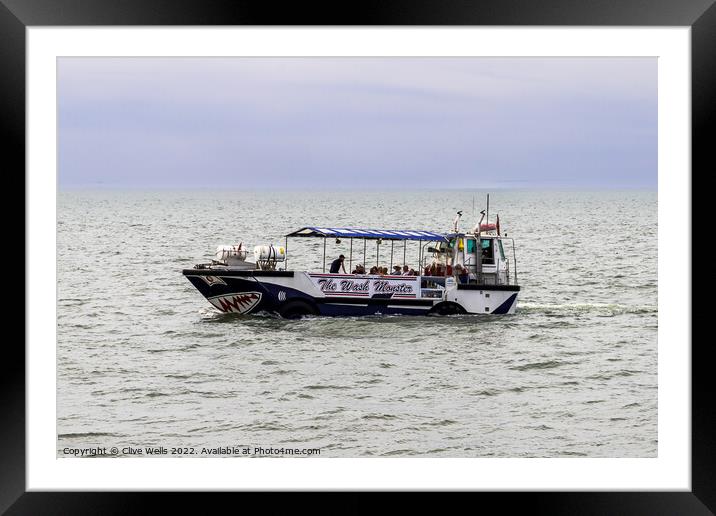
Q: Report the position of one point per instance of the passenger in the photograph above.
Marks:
(427, 271)
(374, 270)
(337, 265)
(462, 275)
(396, 270)
(411, 272)
(406, 270)
(359, 269)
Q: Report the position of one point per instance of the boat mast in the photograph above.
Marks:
(487, 217)
(455, 248)
(478, 249)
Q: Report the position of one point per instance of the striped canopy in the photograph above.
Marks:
(385, 234)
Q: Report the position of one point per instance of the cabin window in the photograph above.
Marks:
(487, 250)
(471, 246)
(502, 251)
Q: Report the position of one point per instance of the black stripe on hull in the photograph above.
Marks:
(509, 288)
(350, 310)
(375, 301)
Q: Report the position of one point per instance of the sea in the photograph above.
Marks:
(147, 367)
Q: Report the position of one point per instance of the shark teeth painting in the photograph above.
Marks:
(240, 302)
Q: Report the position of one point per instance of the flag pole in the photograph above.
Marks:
(487, 218)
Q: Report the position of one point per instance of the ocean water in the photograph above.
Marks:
(143, 360)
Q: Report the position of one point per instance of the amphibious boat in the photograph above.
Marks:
(458, 273)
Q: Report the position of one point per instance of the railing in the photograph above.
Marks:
(514, 258)
(484, 278)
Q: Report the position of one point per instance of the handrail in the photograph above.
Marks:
(514, 257)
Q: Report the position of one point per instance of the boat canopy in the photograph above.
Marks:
(385, 234)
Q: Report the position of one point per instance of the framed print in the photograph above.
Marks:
(150, 136)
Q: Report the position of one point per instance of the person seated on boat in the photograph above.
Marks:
(461, 273)
(412, 272)
(439, 270)
(396, 270)
(374, 270)
(359, 269)
(427, 271)
(337, 265)
(406, 270)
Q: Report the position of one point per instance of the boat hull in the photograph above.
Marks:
(291, 293)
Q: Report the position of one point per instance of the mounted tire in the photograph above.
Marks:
(447, 308)
(296, 308)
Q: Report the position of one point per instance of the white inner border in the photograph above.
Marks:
(671, 470)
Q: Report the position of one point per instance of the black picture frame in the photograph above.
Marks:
(17, 15)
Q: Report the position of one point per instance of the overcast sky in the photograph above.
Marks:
(357, 122)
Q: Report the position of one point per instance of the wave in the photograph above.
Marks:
(73, 435)
(318, 387)
(540, 365)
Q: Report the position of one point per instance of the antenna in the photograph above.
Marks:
(487, 217)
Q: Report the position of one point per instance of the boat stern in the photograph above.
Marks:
(485, 299)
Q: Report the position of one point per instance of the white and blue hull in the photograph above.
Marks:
(293, 294)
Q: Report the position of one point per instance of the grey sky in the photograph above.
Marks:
(357, 122)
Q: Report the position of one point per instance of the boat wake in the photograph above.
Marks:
(608, 309)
